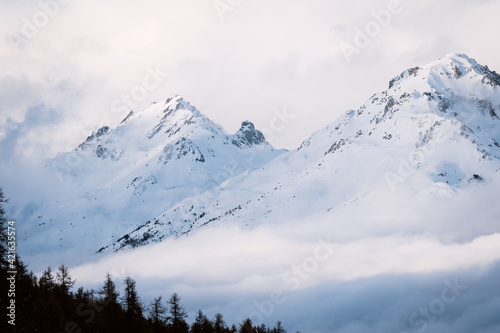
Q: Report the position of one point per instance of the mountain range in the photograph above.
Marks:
(168, 171)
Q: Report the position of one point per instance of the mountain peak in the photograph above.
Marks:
(458, 65)
(247, 125)
(176, 103)
(172, 105)
(179, 102)
(459, 57)
(443, 74)
(248, 135)
(176, 116)
(454, 99)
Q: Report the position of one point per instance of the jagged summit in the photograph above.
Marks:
(460, 64)
(248, 135)
(166, 130)
(177, 103)
(174, 124)
(174, 117)
(170, 105)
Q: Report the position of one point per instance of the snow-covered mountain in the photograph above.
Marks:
(436, 131)
(122, 177)
(169, 171)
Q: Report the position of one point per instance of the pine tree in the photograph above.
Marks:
(220, 324)
(133, 306)
(197, 326)
(202, 324)
(131, 301)
(261, 329)
(48, 316)
(246, 326)
(207, 326)
(177, 315)
(108, 293)
(47, 283)
(64, 279)
(111, 316)
(279, 328)
(157, 314)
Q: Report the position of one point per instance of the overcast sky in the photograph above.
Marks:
(66, 66)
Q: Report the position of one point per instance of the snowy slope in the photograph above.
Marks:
(434, 132)
(122, 177)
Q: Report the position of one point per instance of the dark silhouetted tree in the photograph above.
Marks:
(202, 324)
(246, 326)
(47, 283)
(64, 280)
(177, 315)
(261, 329)
(219, 324)
(157, 314)
(130, 300)
(197, 326)
(108, 293)
(279, 328)
(133, 307)
(111, 315)
(207, 326)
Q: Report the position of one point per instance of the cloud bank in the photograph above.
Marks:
(377, 266)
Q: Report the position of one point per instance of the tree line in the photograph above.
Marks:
(50, 304)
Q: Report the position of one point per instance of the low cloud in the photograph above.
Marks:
(331, 274)
(368, 285)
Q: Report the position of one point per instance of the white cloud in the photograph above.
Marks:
(370, 284)
(230, 256)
